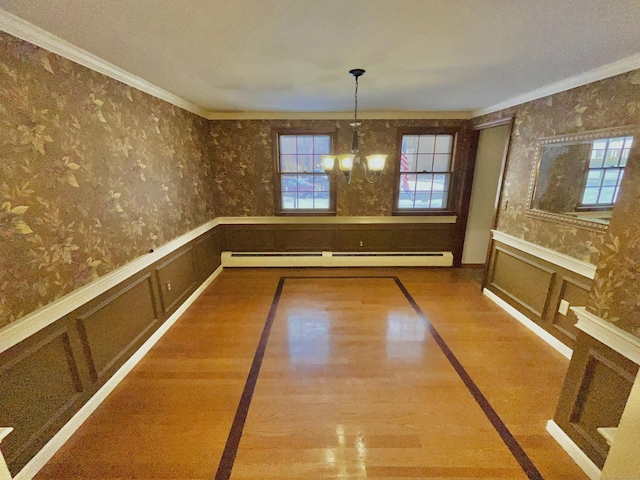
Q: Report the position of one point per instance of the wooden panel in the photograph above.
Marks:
(577, 294)
(422, 238)
(307, 238)
(594, 394)
(40, 389)
(364, 238)
(250, 238)
(525, 281)
(176, 279)
(110, 330)
(206, 252)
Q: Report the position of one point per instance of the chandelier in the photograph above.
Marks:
(372, 166)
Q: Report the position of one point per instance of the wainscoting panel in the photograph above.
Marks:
(40, 390)
(250, 238)
(539, 289)
(46, 378)
(206, 251)
(422, 238)
(307, 238)
(576, 293)
(363, 238)
(112, 329)
(594, 395)
(176, 280)
(524, 281)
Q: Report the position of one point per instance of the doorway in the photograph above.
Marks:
(493, 144)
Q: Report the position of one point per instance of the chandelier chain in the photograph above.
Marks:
(355, 110)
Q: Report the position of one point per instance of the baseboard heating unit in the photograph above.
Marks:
(337, 259)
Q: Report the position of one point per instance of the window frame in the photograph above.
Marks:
(277, 174)
(456, 171)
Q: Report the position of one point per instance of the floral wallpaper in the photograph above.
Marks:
(615, 295)
(244, 169)
(93, 173)
(607, 103)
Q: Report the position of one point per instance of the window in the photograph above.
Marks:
(606, 169)
(425, 172)
(301, 184)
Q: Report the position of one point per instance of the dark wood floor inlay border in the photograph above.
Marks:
(233, 440)
(235, 434)
(509, 440)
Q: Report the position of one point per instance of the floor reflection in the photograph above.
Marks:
(341, 458)
(308, 334)
(405, 337)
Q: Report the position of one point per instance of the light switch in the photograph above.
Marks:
(564, 307)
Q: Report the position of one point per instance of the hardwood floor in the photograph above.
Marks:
(348, 381)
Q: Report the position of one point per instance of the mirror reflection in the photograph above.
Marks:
(578, 177)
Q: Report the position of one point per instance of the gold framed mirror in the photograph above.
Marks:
(575, 179)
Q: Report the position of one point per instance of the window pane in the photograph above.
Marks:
(425, 163)
(613, 158)
(616, 143)
(288, 163)
(322, 183)
(441, 163)
(408, 162)
(423, 200)
(409, 143)
(440, 183)
(606, 195)
(321, 200)
(317, 164)
(305, 163)
(425, 182)
(624, 158)
(305, 144)
(405, 199)
(321, 144)
(597, 156)
(600, 144)
(288, 200)
(628, 141)
(439, 199)
(443, 144)
(590, 196)
(426, 143)
(288, 183)
(594, 178)
(610, 178)
(287, 144)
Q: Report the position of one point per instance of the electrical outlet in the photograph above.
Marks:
(168, 285)
(361, 243)
(564, 307)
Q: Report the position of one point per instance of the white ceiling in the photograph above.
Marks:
(294, 55)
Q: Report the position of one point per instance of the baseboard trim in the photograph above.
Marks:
(530, 324)
(578, 456)
(58, 440)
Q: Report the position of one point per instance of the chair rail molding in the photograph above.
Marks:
(565, 261)
(607, 333)
(45, 316)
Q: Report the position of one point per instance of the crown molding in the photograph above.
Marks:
(24, 30)
(612, 69)
(382, 115)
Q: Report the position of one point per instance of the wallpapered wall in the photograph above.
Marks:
(616, 287)
(244, 166)
(607, 103)
(93, 174)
